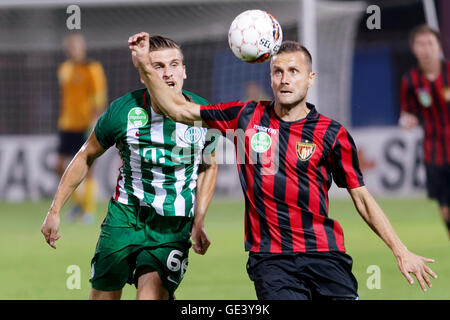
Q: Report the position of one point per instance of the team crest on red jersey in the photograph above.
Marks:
(424, 97)
(305, 150)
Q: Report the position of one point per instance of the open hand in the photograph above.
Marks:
(412, 263)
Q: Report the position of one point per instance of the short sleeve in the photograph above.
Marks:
(222, 116)
(107, 128)
(408, 99)
(99, 84)
(345, 164)
(63, 72)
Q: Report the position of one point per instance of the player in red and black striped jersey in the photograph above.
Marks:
(425, 100)
(286, 186)
(287, 155)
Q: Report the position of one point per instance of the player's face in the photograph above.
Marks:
(169, 65)
(291, 77)
(426, 48)
(76, 48)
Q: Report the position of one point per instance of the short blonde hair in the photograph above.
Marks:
(161, 43)
(290, 46)
(422, 29)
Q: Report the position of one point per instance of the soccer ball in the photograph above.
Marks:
(255, 36)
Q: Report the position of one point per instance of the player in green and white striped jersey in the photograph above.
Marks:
(145, 236)
(160, 157)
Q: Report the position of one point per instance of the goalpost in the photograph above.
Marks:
(430, 14)
(328, 29)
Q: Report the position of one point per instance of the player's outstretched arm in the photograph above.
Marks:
(75, 173)
(407, 261)
(169, 102)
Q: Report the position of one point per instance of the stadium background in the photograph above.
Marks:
(359, 72)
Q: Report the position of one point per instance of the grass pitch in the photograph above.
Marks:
(30, 269)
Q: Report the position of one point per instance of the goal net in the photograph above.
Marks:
(31, 33)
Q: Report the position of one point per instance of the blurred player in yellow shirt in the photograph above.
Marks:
(83, 97)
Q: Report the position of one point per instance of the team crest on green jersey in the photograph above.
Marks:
(261, 142)
(137, 117)
(192, 135)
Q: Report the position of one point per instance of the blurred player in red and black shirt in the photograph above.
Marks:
(425, 100)
(287, 155)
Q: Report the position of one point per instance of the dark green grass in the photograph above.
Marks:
(30, 269)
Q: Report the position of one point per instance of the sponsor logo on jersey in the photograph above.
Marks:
(193, 135)
(265, 129)
(305, 150)
(261, 142)
(137, 117)
(424, 97)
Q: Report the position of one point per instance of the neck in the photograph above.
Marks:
(76, 60)
(155, 107)
(292, 113)
(432, 69)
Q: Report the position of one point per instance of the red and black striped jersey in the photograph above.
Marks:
(286, 170)
(429, 101)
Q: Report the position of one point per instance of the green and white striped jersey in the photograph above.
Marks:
(160, 157)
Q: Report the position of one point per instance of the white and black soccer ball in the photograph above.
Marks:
(255, 36)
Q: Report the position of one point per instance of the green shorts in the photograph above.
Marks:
(135, 240)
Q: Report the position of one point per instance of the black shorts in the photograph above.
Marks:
(438, 183)
(70, 142)
(302, 276)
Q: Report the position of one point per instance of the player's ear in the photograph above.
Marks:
(184, 72)
(311, 78)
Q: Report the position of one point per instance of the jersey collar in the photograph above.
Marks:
(312, 114)
(147, 101)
